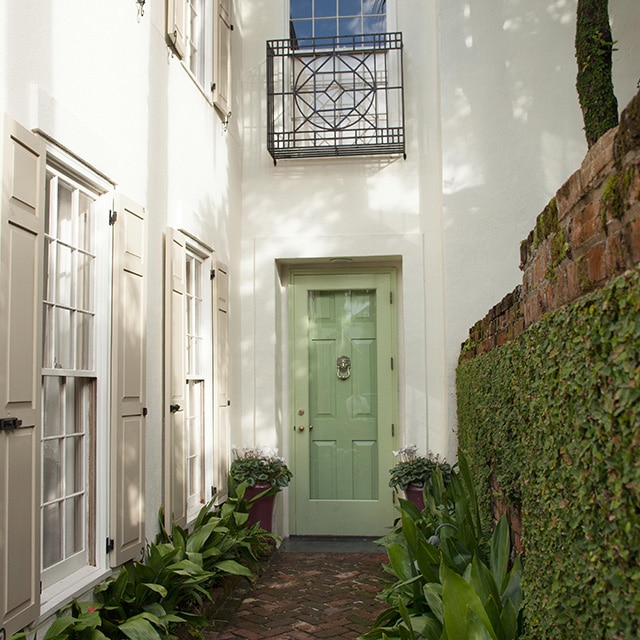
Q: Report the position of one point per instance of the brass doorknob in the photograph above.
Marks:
(310, 427)
(301, 428)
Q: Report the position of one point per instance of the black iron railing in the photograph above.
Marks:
(338, 96)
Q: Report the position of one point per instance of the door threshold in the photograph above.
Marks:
(331, 544)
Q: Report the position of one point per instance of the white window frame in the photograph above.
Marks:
(204, 257)
(60, 590)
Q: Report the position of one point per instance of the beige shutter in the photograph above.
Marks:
(21, 272)
(222, 375)
(176, 25)
(128, 373)
(222, 58)
(175, 486)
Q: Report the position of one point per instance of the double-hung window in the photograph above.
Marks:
(192, 435)
(76, 250)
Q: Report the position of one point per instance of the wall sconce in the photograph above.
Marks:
(140, 4)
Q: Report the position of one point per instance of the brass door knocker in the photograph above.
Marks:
(344, 367)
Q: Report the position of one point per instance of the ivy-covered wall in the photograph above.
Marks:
(551, 415)
(555, 415)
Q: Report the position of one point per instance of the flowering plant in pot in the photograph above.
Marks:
(265, 474)
(412, 472)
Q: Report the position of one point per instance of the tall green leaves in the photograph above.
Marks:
(452, 581)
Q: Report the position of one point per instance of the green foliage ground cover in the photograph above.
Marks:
(150, 599)
(556, 416)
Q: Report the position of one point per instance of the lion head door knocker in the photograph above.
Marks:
(344, 367)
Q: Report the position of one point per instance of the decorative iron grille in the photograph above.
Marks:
(335, 96)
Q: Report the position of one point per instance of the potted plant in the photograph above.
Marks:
(412, 472)
(265, 474)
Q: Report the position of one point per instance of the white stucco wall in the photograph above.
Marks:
(103, 84)
(384, 208)
(511, 135)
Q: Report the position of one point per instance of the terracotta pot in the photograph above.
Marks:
(261, 511)
(415, 494)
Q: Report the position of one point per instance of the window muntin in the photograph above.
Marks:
(69, 382)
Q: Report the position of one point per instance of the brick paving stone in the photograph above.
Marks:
(302, 596)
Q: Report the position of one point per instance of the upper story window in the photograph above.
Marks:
(335, 85)
(330, 18)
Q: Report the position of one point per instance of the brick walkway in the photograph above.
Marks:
(309, 595)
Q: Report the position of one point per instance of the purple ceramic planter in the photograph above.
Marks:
(415, 495)
(261, 511)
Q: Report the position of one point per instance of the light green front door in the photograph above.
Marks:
(344, 403)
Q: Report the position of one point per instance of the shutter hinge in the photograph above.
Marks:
(391, 364)
(145, 411)
(213, 86)
(109, 545)
(40, 586)
(113, 216)
(212, 274)
(390, 297)
(393, 430)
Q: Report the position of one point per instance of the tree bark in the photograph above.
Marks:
(594, 45)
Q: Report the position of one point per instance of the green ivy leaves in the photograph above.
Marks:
(555, 415)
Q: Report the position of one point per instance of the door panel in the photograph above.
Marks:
(343, 425)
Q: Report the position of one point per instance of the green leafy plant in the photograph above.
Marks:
(259, 465)
(412, 469)
(146, 599)
(452, 579)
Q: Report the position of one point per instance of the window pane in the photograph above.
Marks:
(84, 285)
(63, 347)
(84, 341)
(52, 423)
(64, 268)
(325, 28)
(350, 7)
(300, 8)
(48, 352)
(51, 534)
(325, 8)
(74, 463)
(375, 7)
(375, 24)
(52, 469)
(73, 526)
(85, 223)
(301, 29)
(350, 26)
(65, 214)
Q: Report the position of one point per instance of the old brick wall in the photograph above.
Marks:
(587, 234)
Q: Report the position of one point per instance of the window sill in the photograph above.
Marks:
(77, 584)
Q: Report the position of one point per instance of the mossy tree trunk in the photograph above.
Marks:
(594, 45)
